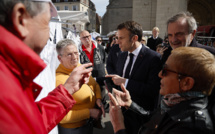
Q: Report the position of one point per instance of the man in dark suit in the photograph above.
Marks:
(142, 80)
(154, 40)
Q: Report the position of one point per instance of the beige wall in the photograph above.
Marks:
(117, 12)
(144, 12)
(149, 13)
(165, 11)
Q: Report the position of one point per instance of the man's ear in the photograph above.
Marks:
(20, 18)
(187, 83)
(193, 34)
(135, 38)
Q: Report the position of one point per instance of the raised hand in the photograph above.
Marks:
(115, 113)
(123, 97)
(117, 80)
(79, 76)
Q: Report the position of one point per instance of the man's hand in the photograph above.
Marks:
(116, 116)
(101, 106)
(79, 76)
(123, 97)
(117, 80)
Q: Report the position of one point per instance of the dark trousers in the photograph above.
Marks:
(86, 129)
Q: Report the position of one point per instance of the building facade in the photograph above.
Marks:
(79, 5)
(150, 13)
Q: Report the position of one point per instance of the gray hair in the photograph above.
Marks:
(189, 18)
(6, 8)
(63, 43)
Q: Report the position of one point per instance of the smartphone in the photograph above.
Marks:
(108, 85)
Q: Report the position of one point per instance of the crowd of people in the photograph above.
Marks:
(160, 86)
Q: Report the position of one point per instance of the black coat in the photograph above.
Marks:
(152, 43)
(194, 43)
(187, 117)
(99, 63)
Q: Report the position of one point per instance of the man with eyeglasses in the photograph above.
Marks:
(92, 52)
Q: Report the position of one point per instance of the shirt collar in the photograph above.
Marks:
(136, 51)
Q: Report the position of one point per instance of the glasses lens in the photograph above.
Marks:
(85, 37)
(163, 72)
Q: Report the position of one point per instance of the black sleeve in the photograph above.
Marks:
(122, 131)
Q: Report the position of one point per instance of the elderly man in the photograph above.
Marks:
(24, 32)
(187, 79)
(90, 51)
(155, 39)
(181, 29)
(75, 122)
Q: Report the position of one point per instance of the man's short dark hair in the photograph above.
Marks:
(133, 27)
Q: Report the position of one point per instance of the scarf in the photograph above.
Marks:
(170, 100)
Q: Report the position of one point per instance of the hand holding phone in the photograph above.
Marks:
(108, 85)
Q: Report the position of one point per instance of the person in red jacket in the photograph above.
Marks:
(24, 27)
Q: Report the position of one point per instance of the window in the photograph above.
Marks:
(57, 0)
(74, 8)
(66, 8)
(58, 8)
(65, 0)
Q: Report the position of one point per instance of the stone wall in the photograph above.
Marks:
(117, 12)
(167, 9)
(144, 12)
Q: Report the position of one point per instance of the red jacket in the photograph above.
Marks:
(19, 65)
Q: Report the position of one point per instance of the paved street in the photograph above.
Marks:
(108, 126)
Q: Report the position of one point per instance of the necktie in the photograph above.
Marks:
(128, 68)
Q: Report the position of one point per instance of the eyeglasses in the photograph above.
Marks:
(165, 70)
(69, 55)
(99, 40)
(85, 37)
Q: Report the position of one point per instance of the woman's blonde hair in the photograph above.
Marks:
(197, 63)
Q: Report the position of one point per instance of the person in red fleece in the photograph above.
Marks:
(24, 26)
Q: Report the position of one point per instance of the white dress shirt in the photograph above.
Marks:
(135, 53)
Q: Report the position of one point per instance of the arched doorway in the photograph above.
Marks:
(203, 11)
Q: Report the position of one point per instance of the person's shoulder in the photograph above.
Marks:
(149, 52)
(210, 49)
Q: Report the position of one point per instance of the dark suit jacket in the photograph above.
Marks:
(152, 43)
(144, 83)
(112, 59)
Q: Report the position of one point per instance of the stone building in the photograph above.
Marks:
(79, 5)
(150, 13)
